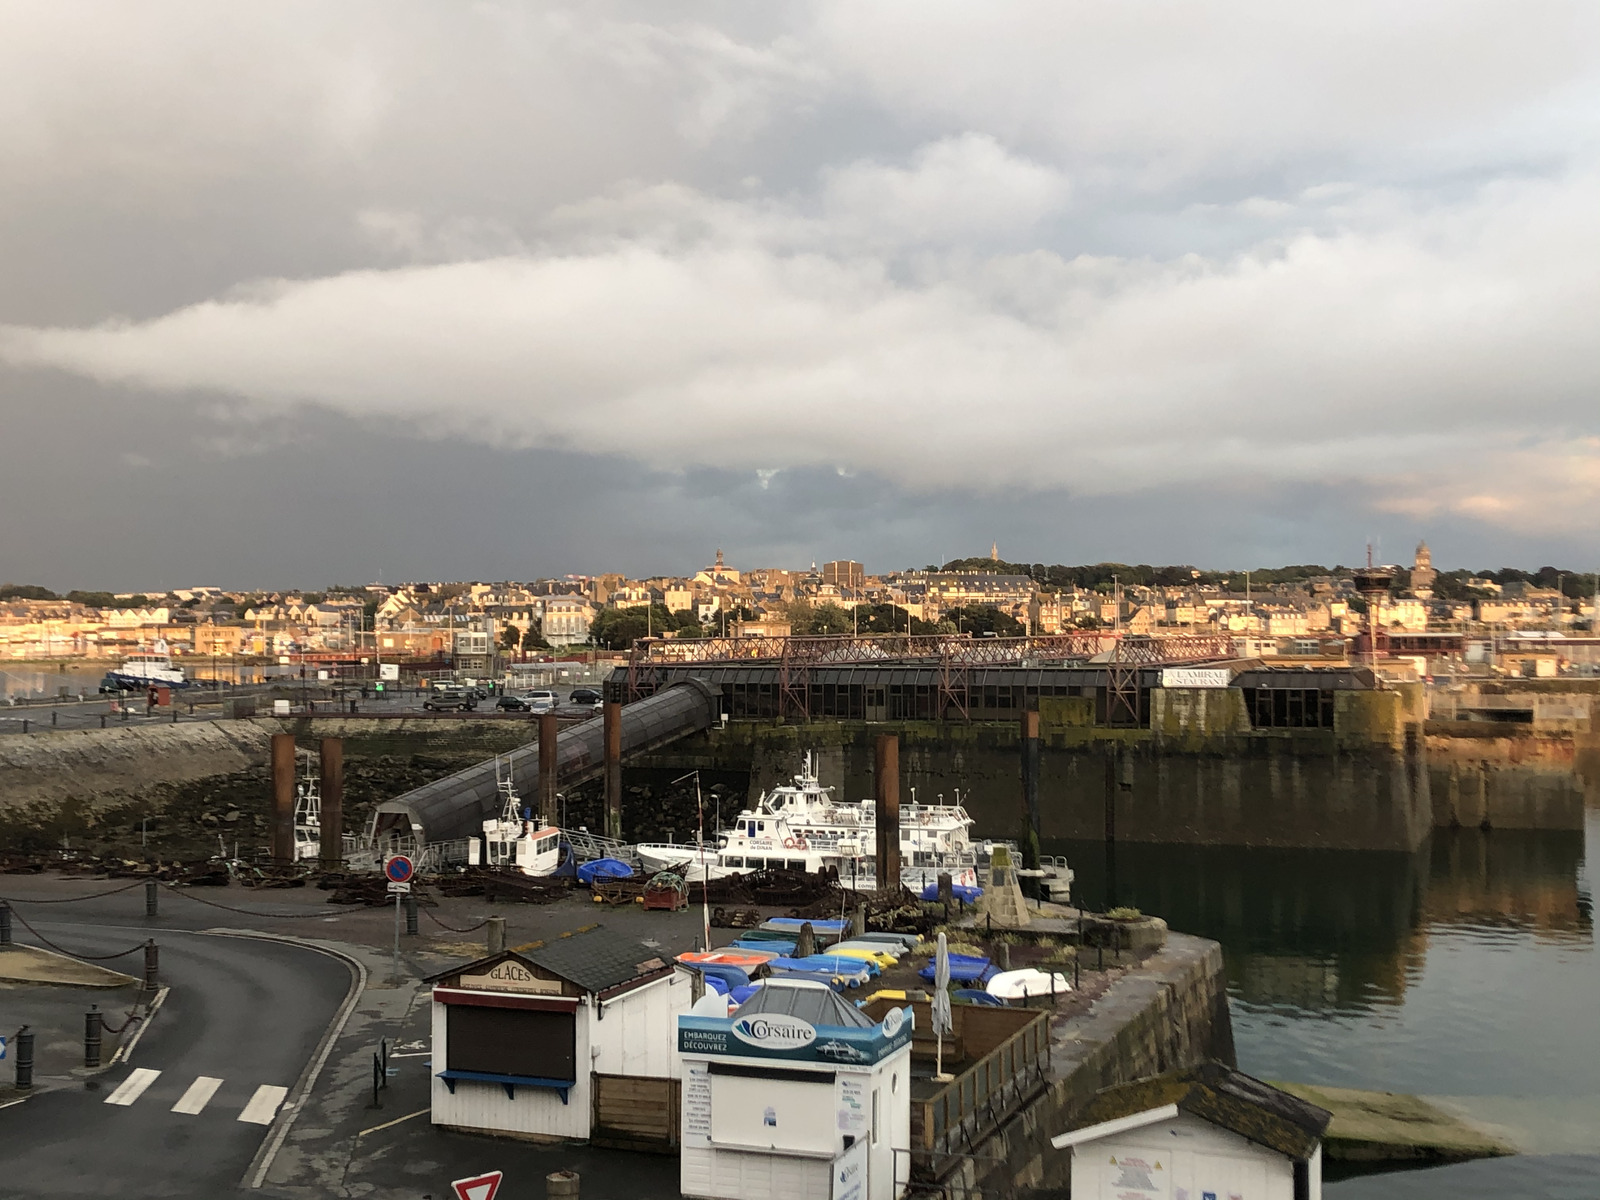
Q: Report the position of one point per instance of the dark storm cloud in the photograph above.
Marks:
(514, 289)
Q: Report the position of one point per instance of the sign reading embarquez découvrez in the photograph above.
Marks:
(1196, 677)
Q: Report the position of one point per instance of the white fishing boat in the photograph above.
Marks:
(145, 669)
(307, 810)
(516, 840)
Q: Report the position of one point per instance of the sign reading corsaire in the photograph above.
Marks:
(1196, 677)
(776, 1031)
(479, 1187)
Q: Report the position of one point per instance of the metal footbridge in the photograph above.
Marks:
(434, 822)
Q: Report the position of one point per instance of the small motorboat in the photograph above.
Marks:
(1029, 981)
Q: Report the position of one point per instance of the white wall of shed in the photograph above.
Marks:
(638, 1035)
(1194, 1155)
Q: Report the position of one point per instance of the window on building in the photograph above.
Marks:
(1290, 708)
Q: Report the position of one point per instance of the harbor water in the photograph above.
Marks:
(1465, 972)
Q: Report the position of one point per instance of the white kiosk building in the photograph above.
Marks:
(1207, 1133)
(545, 1043)
(796, 1096)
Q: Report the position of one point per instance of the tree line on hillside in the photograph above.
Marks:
(1447, 585)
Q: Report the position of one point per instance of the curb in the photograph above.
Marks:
(256, 1173)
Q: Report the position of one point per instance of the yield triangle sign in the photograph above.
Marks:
(479, 1187)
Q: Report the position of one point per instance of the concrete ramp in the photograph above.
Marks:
(456, 806)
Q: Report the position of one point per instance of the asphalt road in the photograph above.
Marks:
(242, 1020)
(95, 712)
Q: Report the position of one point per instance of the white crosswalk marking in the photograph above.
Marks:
(198, 1095)
(263, 1106)
(133, 1086)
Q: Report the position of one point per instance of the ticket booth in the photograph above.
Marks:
(793, 1093)
(542, 1044)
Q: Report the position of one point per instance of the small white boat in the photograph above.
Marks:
(1029, 981)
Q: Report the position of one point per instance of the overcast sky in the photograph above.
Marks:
(303, 293)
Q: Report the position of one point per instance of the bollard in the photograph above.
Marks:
(102, 720)
(806, 944)
(411, 913)
(24, 724)
(561, 1185)
(91, 1036)
(24, 1057)
(151, 898)
(860, 921)
(5, 923)
(124, 712)
(496, 935)
(174, 714)
(152, 970)
(52, 716)
(1005, 956)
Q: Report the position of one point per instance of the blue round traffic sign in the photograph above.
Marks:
(398, 868)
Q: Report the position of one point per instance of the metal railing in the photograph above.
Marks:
(977, 1101)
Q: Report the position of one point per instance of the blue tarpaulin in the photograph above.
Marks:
(959, 891)
(608, 868)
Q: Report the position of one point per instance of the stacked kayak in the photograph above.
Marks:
(907, 941)
(825, 931)
(728, 956)
(835, 972)
(772, 948)
(877, 954)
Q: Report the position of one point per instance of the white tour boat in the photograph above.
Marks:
(801, 827)
(146, 669)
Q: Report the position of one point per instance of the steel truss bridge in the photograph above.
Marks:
(953, 656)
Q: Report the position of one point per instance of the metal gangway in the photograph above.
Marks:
(586, 846)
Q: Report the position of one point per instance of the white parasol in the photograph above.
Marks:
(942, 1024)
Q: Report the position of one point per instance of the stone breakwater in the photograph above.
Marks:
(1169, 1012)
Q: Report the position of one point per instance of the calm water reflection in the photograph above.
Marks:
(1465, 971)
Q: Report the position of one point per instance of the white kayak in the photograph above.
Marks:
(1029, 981)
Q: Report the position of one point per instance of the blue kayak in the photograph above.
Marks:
(731, 976)
(964, 968)
(974, 996)
(844, 964)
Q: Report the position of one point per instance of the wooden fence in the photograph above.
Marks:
(636, 1112)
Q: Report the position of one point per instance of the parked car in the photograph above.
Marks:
(450, 700)
(538, 700)
(585, 697)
